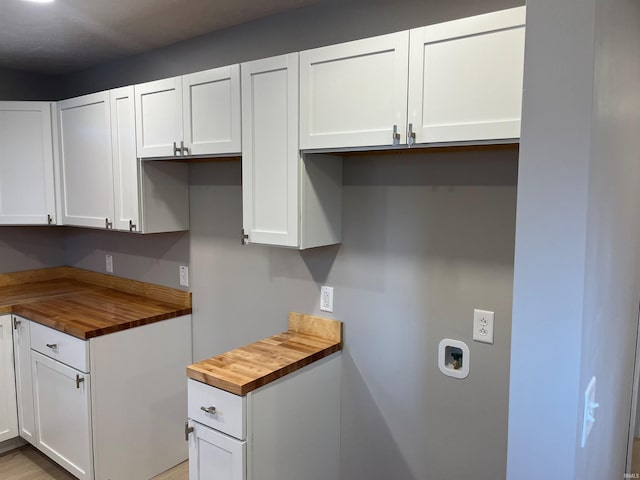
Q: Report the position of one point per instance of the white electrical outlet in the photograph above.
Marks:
(109, 263)
(184, 276)
(326, 299)
(483, 326)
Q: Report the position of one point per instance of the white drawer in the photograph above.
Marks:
(230, 410)
(60, 346)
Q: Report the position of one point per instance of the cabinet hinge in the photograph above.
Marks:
(244, 238)
(187, 431)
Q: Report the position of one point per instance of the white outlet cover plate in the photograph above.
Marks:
(326, 299)
(483, 321)
(184, 276)
(109, 263)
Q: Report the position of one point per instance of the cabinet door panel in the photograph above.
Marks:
(63, 415)
(213, 455)
(211, 102)
(8, 408)
(24, 386)
(85, 138)
(125, 169)
(352, 94)
(465, 79)
(26, 164)
(158, 117)
(270, 159)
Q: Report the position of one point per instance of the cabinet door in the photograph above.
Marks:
(214, 455)
(270, 157)
(211, 104)
(465, 78)
(125, 169)
(158, 117)
(8, 408)
(86, 164)
(26, 164)
(24, 386)
(354, 94)
(62, 410)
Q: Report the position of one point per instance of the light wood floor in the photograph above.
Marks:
(26, 463)
(635, 459)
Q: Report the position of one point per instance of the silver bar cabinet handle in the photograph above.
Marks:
(187, 431)
(396, 136)
(132, 226)
(411, 136)
(107, 224)
(176, 149)
(52, 346)
(185, 150)
(79, 380)
(211, 410)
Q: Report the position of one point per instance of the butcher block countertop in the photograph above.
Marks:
(88, 304)
(247, 368)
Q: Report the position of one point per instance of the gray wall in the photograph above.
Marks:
(326, 23)
(18, 85)
(26, 248)
(151, 258)
(427, 238)
(577, 276)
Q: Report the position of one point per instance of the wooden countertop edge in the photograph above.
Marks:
(205, 377)
(83, 334)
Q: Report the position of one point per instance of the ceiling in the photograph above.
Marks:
(70, 35)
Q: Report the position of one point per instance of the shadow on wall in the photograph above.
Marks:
(365, 430)
(151, 258)
(26, 248)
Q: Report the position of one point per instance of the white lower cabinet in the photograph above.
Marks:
(8, 416)
(63, 412)
(24, 385)
(286, 430)
(215, 455)
(85, 403)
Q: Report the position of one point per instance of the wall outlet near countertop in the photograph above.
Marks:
(184, 276)
(109, 263)
(326, 299)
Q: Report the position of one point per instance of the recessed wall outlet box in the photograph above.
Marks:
(326, 299)
(184, 276)
(589, 413)
(483, 326)
(109, 263)
(453, 358)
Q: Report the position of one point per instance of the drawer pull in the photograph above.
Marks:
(210, 410)
(52, 346)
(79, 380)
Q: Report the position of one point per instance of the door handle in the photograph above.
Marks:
(79, 380)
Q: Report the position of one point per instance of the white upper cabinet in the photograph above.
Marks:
(125, 169)
(459, 81)
(86, 160)
(26, 164)
(158, 108)
(354, 94)
(211, 114)
(196, 114)
(288, 200)
(271, 154)
(465, 78)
